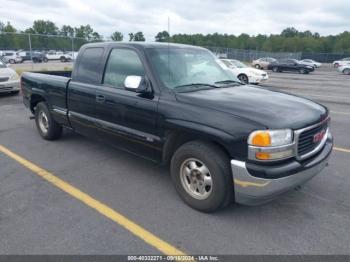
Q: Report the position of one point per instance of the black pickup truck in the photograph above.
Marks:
(177, 105)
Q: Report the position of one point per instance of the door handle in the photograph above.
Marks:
(100, 98)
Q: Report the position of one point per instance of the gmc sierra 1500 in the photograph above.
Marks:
(176, 104)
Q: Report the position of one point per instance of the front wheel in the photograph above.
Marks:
(202, 177)
(243, 78)
(257, 66)
(63, 59)
(45, 60)
(346, 71)
(11, 61)
(48, 128)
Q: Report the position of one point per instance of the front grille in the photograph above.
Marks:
(6, 88)
(306, 143)
(4, 79)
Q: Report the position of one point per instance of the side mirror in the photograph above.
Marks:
(136, 84)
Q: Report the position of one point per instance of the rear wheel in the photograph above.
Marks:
(275, 69)
(12, 61)
(63, 59)
(202, 177)
(302, 71)
(48, 128)
(346, 71)
(45, 60)
(243, 78)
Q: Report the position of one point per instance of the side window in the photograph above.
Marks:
(227, 63)
(88, 69)
(122, 63)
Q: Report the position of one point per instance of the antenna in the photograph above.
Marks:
(169, 48)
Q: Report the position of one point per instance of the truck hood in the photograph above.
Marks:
(272, 109)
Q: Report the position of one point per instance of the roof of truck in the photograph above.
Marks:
(142, 45)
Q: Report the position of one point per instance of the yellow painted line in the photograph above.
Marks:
(345, 150)
(108, 212)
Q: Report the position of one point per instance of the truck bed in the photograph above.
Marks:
(52, 85)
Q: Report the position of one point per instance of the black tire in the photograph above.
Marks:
(275, 69)
(257, 66)
(243, 78)
(346, 71)
(15, 92)
(54, 130)
(218, 164)
(63, 59)
(336, 65)
(45, 60)
(303, 71)
(11, 61)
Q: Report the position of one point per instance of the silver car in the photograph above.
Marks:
(263, 63)
(9, 79)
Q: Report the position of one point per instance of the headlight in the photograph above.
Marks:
(255, 73)
(264, 145)
(14, 77)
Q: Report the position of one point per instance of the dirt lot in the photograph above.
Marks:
(37, 217)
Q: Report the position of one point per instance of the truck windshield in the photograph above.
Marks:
(189, 68)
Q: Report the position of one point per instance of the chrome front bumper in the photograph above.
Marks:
(9, 86)
(251, 190)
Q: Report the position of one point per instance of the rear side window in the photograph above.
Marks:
(122, 63)
(89, 69)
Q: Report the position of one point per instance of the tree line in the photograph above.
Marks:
(68, 37)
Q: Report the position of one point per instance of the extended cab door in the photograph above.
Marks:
(125, 118)
(81, 95)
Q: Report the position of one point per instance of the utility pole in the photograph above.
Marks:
(73, 48)
(30, 50)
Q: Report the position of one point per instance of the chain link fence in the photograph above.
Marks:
(250, 55)
(325, 57)
(39, 42)
(44, 43)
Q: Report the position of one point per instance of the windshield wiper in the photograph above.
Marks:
(229, 82)
(197, 85)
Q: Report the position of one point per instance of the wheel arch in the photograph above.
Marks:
(34, 100)
(178, 137)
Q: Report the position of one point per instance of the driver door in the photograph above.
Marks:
(126, 119)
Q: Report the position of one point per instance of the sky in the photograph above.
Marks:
(186, 16)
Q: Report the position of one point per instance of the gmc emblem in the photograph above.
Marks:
(319, 136)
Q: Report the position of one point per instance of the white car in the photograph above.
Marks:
(73, 55)
(244, 73)
(9, 79)
(345, 69)
(53, 55)
(310, 62)
(11, 57)
(342, 62)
